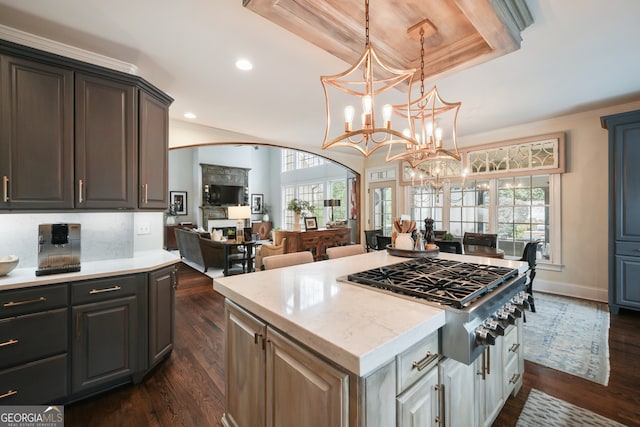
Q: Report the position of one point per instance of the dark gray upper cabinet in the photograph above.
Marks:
(105, 146)
(75, 135)
(624, 209)
(36, 135)
(153, 145)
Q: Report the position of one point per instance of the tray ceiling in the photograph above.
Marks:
(458, 33)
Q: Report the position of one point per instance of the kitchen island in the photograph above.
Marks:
(304, 346)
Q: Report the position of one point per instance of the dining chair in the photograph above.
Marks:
(530, 255)
(268, 249)
(342, 251)
(382, 242)
(371, 240)
(286, 260)
(480, 239)
(449, 246)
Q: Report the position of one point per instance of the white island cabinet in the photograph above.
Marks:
(304, 347)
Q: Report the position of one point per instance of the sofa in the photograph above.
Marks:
(200, 249)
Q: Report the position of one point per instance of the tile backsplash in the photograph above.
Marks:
(104, 236)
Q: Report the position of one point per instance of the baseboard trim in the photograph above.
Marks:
(571, 290)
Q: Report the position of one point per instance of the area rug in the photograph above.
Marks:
(542, 410)
(570, 335)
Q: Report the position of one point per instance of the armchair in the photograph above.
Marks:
(267, 250)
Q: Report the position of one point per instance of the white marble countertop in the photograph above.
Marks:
(358, 328)
(139, 263)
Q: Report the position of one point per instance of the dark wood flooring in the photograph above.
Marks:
(188, 388)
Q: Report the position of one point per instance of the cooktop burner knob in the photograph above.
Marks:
(503, 314)
(485, 337)
(495, 326)
(520, 301)
(517, 312)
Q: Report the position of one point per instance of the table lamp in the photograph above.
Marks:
(331, 203)
(239, 213)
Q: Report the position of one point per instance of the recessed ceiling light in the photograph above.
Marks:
(189, 115)
(244, 64)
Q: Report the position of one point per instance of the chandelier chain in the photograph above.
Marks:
(366, 22)
(421, 61)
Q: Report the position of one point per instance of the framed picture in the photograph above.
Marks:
(257, 203)
(179, 201)
(310, 223)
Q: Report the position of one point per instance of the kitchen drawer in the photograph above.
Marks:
(511, 345)
(32, 336)
(416, 361)
(31, 300)
(36, 383)
(511, 376)
(628, 248)
(105, 289)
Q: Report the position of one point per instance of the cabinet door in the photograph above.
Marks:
(303, 389)
(162, 284)
(627, 181)
(154, 145)
(245, 368)
(489, 390)
(627, 288)
(459, 393)
(36, 135)
(106, 144)
(418, 405)
(104, 342)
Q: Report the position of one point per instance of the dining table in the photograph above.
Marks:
(485, 251)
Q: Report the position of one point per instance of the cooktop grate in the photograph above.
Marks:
(447, 282)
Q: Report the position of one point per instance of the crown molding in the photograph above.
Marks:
(37, 42)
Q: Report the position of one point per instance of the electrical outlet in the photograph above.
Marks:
(143, 228)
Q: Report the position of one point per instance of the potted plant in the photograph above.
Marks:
(298, 207)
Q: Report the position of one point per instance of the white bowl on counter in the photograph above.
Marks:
(7, 264)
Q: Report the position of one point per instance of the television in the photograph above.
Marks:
(223, 195)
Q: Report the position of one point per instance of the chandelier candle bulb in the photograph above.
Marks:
(349, 112)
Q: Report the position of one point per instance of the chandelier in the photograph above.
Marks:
(370, 89)
(429, 115)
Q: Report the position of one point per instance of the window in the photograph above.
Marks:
(311, 192)
(293, 159)
(288, 160)
(338, 190)
(523, 213)
(469, 208)
(427, 203)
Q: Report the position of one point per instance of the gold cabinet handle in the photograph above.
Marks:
(80, 190)
(31, 301)
(8, 394)
(5, 188)
(514, 347)
(100, 291)
(425, 361)
(8, 343)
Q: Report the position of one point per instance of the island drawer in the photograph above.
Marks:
(32, 336)
(104, 289)
(30, 300)
(628, 248)
(511, 344)
(416, 361)
(44, 381)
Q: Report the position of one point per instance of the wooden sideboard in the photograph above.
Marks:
(316, 241)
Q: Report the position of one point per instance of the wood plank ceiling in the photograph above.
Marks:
(458, 33)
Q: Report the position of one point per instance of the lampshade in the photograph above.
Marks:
(239, 212)
(331, 203)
